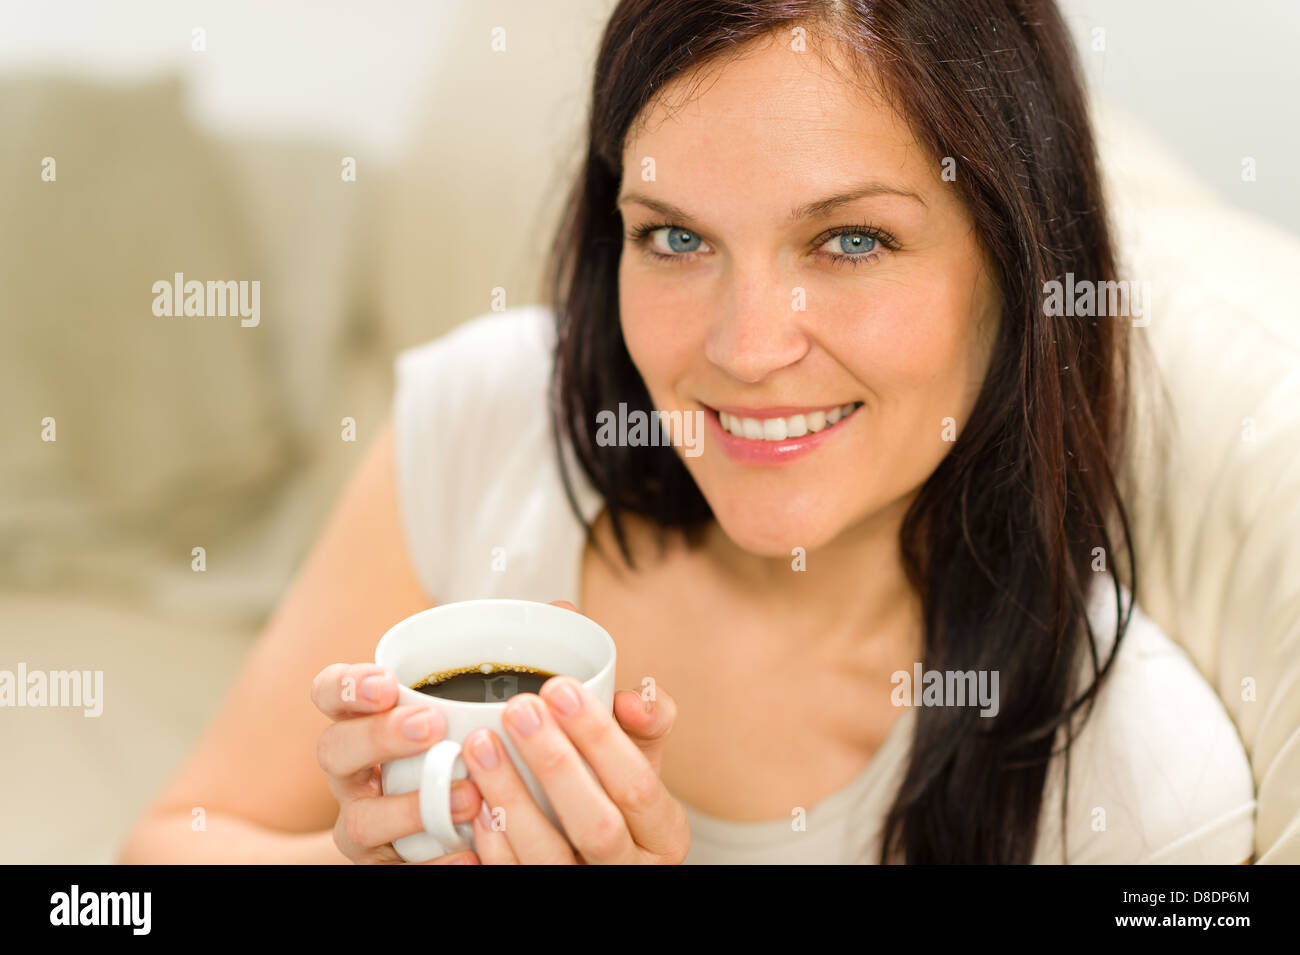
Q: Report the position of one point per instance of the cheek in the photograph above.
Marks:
(905, 337)
(914, 345)
(662, 337)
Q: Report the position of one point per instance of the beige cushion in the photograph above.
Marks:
(174, 432)
(308, 231)
(159, 420)
(1214, 475)
(472, 204)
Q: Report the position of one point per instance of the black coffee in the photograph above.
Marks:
(483, 683)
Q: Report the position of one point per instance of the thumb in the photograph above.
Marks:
(647, 717)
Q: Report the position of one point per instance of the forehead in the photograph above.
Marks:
(775, 117)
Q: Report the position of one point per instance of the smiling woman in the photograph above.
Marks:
(824, 229)
(789, 303)
(794, 210)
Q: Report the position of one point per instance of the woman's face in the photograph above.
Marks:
(746, 310)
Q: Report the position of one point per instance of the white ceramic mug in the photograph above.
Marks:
(469, 633)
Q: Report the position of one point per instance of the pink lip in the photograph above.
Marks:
(769, 453)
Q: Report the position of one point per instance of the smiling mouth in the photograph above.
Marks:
(786, 427)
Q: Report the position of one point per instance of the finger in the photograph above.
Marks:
(647, 718)
(565, 605)
(355, 745)
(590, 817)
(628, 778)
(490, 839)
(347, 789)
(532, 836)
(377, 820)
(344, 690)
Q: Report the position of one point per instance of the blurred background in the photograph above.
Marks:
(216, 138)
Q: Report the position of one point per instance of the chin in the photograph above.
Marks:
(766, 534)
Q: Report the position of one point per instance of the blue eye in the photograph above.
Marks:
(857, 243)
(680, 240)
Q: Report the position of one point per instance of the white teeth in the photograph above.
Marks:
(779, 429)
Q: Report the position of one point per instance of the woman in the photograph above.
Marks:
(826, 232)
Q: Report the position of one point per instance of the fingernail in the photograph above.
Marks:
(370, 686)
(564, 698)
(484, 816)
(461, 799)
(523, 716)
(483, 751)
(416, 726)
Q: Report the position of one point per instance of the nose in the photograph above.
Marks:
(758, 329)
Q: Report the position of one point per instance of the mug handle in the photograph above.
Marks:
(435, 798)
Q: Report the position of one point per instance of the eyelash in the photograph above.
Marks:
(640, 234)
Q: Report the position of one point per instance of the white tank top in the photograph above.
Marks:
(1158, 774)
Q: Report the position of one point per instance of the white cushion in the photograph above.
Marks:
(1214, 474)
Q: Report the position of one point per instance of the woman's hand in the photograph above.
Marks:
(368, 730)
(626, 817)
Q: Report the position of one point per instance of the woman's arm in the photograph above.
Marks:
(254, 773)
(161, 838)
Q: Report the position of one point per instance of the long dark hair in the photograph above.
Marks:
(1005, 538)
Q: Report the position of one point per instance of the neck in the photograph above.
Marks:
(851, 586)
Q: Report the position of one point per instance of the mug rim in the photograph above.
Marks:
(390, 637)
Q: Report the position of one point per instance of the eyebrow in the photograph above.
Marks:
(811, 210)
